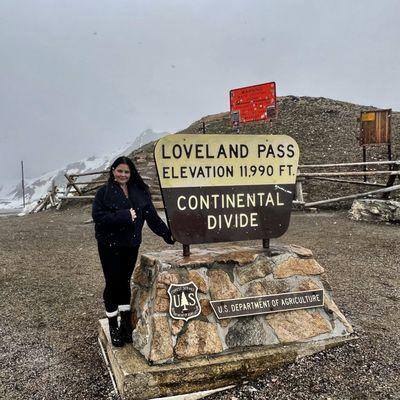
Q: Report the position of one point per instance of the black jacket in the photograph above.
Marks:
(113, 221)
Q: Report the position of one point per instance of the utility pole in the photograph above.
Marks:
(23, 183)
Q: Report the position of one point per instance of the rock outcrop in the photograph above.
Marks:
(375, 210)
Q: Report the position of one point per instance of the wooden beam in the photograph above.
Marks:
(91, 182)
(87, 190)
(353, 196)
(320, 178)
(299, 191)
(42, 204)
(349, 173)
(89, 173)
(53, 193)
(76, 197)
(68, 189)
(72, 182)
(350, 164)
(36, 207)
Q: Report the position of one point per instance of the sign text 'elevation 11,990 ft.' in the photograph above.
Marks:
(221, 188)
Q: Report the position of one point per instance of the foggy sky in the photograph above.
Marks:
(83, 77)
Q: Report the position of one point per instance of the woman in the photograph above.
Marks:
(119, 210)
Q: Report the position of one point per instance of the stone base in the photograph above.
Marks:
(223, 273)
(136, 379)
(375, 210)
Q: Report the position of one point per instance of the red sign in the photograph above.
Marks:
(253, 103)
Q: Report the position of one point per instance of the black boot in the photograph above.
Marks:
(126, 326)
(115, 332)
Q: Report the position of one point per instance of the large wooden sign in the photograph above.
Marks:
(253, 103)
(223, 188)
(375, 127)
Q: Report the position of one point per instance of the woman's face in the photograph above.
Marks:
(122, 174)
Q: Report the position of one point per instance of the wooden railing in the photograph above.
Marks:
(337, 176)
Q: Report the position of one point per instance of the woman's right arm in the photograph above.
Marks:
(101, 214)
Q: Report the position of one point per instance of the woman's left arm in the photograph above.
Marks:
(155, 223)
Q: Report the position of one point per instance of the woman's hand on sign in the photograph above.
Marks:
(133, 214)
(169, 239)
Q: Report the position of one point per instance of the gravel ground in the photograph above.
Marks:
(51, 286)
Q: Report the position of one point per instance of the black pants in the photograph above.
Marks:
(118, 264)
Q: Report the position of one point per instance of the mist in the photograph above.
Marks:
(83, 78)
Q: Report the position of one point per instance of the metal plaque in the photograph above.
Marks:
(223, 188)
(184, 303)
(375, 127)
(253, 103)
(245, 306)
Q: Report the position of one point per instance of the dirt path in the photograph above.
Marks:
(51, 286)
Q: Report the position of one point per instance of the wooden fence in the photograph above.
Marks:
(307, 172)
(81, 189)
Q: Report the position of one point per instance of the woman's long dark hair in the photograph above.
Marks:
(134, 179)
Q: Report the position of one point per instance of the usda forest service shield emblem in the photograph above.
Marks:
(183, 301)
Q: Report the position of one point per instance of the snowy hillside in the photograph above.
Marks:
(36, 188)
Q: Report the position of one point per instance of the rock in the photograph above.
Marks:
(206, 308)
(198, 281)
(258, 269)
(142, 276)
(325, 281)
(309, 284)
(195, 261)
(140, 335)
(161, 344)
(297, 266)
(224, 322)
(301, 251)
(134, 295)
(176, 326)
(143, 300)
(165, 279)
(148, 261)
(221, 286)
(134, 301)
(134, 318)
(265, 286)
(375, 210)
(237, 257)
(161, 302)
(250, 332)
(199, 338)
(331, 306)
(299, 325)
